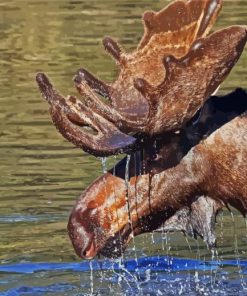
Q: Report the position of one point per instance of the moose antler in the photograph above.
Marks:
(192, 79)
(160, 87)
(147, 96)
(168, 32)
(69, 115)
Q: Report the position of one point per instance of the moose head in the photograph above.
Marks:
(106, 218)
(154, 101)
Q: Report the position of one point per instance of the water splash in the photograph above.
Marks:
(155, 154)
(188, 243)
(198, 252)
(91, 277)
(221, 224)
(104, 164)
(213, 276)
(128, 157)
(153, 263)
(236, 251)
(152, 274)
(162, 238)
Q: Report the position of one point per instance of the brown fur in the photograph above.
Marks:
(216, 167)
(159, 88)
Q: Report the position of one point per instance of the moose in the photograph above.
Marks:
(186, 147)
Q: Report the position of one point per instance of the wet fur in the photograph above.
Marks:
(107, 194)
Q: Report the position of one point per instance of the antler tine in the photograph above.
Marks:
(112, 47)
(212, 10)
(108, 140)
(91, 100)
(143, 87)
(106, 111)
(162, 100)
(94, 83)
(48, 92)
(70, 116)
(170, 31)
(204, 13)
(192, 79)
(148, 92)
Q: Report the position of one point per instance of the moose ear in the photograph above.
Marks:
(196, 18)
(192, 79)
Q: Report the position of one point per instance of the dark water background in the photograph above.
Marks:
(42, 174)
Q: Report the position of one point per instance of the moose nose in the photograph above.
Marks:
(89, 252)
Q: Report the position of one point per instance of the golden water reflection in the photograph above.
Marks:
(42, 174)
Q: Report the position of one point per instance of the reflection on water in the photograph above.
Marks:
(42, 174)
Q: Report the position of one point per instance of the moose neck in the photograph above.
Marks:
(177, 186)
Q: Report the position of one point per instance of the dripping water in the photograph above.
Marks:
(188, 243)
(199, 257)
(198, 253)
(126, 179)
(128, 157)
(127, 200)
(221, 239)
(188, 279)
(104, 170)
(125, 275)
(217, 258)
(130, 275)
(127, 171)
(212, 275)
(114, 167)
(197, 281)
(162, 238)
(121, 277)
(221, 234)
(236, 251)
(114, 174)
(104, 164)
(168, 248)
(91, 277)
(245, 220)
(155, 153)
(101, 272)
(127, 192)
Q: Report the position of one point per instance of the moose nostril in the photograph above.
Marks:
(89, 252)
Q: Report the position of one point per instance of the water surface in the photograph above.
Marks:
(42, 174)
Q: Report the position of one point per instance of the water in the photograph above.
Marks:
(42, 174)
(152, 272)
